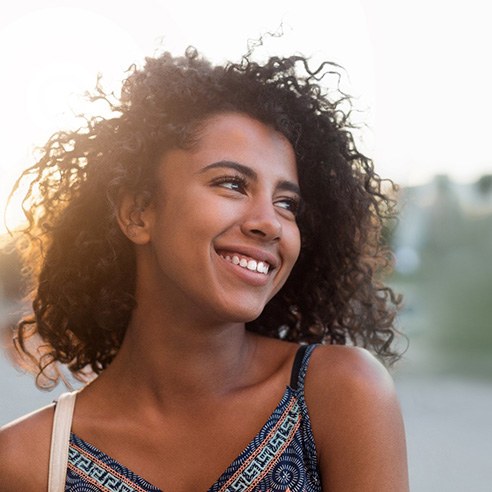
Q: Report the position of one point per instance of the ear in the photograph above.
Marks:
(134, 217)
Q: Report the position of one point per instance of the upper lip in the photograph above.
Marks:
(252, 252)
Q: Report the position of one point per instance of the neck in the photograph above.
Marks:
(162, 356)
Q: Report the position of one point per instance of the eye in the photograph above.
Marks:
(290, 204)
(234, 183)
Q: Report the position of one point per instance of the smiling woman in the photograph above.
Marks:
(205, 252)
(242, 208)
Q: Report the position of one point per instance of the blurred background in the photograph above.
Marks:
(420, 74)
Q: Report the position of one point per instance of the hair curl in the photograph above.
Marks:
(84, 275)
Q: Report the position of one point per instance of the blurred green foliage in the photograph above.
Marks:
(443, 247)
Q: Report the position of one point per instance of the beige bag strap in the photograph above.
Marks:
(60, 439)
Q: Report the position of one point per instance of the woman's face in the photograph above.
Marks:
(222, 231)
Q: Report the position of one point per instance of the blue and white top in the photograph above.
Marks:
(281, 457)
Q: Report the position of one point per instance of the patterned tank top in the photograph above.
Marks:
(282, 456)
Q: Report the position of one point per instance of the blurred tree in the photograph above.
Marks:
(451, 290)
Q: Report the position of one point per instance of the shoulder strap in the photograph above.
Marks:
(300, 366)
(297, 366)
(60, 438)
(299, 371)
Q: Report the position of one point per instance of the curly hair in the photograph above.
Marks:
(83, 278)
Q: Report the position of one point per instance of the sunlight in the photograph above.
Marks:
(425, 98)
(55, 62)
(54, 55)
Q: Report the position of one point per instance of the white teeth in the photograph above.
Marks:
(252, 265)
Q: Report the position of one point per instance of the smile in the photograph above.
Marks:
(248, 263)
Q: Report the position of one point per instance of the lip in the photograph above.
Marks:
(251, 252)
(252, 278)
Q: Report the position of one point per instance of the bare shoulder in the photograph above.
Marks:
(345, 382)
(349, 370)
(356, 421)
(24, 451)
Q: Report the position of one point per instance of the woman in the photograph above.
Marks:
(208, 251)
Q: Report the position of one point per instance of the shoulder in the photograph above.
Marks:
(348, 381)
(346, 369)
(356, 420)
(24, 451)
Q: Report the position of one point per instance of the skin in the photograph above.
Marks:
(190, 387)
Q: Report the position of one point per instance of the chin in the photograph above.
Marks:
(237, 307)
(245, 314)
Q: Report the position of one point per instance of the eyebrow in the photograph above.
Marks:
(284, 185)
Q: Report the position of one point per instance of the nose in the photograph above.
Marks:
(261, 221)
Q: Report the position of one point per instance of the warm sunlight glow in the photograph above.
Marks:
(419, 73)
(55, 54)
(55, 61)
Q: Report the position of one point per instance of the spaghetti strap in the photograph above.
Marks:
(60, 437)
(299, 371)
(299, 367)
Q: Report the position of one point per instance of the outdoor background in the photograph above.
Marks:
(421, 77)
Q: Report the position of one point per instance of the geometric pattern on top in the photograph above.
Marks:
(280, 458)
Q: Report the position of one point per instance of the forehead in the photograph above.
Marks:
(227, 136)
(236, 128)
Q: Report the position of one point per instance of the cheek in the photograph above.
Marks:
(292, 248)
(295, 247)
(197, 224)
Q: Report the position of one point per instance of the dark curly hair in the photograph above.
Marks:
(83, 266)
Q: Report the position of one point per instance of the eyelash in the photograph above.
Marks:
(293, 205)
(239, 183)
(235, 180)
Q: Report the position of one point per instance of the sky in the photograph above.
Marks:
(419, 71)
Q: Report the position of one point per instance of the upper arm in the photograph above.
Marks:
(24, 452)
(10, 460)
(356, 421)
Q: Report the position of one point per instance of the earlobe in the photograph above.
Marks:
(133, 218)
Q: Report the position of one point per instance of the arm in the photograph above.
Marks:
(356, 421)
(24, 452)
